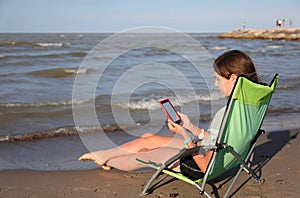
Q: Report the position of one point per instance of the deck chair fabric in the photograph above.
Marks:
(245, 113)
(238, 133)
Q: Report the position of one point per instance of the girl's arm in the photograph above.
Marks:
(200, 133)
(201, 160)
(188, 124)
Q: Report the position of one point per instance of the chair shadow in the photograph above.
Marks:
(262, 154)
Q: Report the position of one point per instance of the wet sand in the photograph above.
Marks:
(277, 153)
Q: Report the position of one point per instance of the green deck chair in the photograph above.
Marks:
(239, 131)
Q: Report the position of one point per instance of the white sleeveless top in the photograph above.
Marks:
(214, 128)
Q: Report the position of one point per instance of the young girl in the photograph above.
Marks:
(152, 147)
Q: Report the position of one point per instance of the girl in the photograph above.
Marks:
(152, 147)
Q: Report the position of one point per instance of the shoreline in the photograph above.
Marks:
(276, 153)
(264, 33)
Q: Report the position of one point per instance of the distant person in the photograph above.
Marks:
(244, 25)
(283, 23)
(291, 23)
(279, 23)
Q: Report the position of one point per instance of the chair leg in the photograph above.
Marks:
(147, 187)
(201, 190)
(233, 182)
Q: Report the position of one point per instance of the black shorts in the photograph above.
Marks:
(190, 169)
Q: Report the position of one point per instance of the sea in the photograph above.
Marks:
(64, 94)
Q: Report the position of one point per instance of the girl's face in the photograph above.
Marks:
(224, 85)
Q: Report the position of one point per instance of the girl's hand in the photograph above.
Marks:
(185, 120)
(176, 128)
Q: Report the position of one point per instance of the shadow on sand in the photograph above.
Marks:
(262, 154)
(266, 148)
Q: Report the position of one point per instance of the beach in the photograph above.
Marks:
(45, 128)
(277, 153)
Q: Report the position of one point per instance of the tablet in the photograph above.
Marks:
(170, 110)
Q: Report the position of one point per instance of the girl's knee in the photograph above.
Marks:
(147, 134)
(149, 140)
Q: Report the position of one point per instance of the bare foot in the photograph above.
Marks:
(95, 158)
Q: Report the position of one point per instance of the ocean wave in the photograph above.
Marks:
(17, 43)
(50, 55)
(280, 110)
(75, 71)
(50, 44)
(77, 54)
(287, 87)
(105, 101)
(40, 44)
(287, 84)
(107, 128)
(58, 55)
(38, 135)
(46, 104)
(274, 46)
(144, 104)
(257, 51)
(59, 72)
(59, 132)
(152, 104)
(277, 53)
(204, 35)
(217, 48)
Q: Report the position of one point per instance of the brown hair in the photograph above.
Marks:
(235, 62)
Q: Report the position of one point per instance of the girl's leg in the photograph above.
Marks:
(148, 141)
(159, 155)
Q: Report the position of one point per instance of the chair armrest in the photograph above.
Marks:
(187, 152)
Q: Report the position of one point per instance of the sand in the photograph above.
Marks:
(276, 152)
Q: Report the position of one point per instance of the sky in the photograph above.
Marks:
(119, 15)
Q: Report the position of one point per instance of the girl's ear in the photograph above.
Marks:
(233, 77)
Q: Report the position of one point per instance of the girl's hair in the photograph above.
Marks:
(235, 62)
